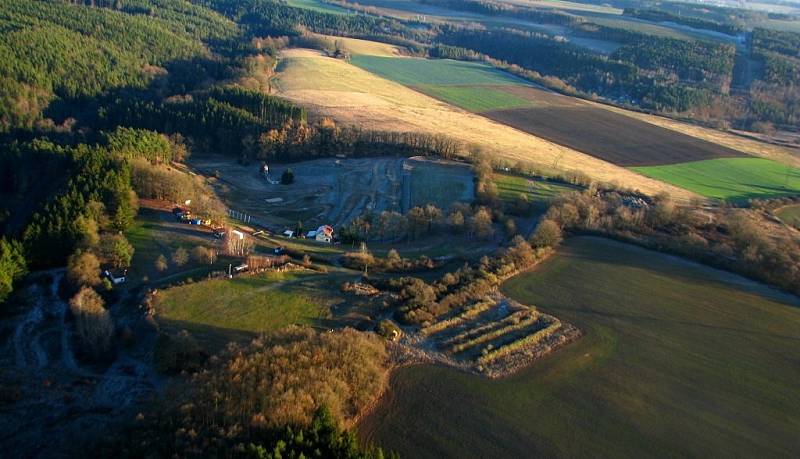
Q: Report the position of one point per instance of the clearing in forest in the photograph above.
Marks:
(511, 186)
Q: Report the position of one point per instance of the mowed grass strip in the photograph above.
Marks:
(416, 71)
(474, 98)
(243, 305)
(677, 360)
(730, 179)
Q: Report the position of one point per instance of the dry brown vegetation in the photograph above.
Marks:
(283, 386)
(284, 378)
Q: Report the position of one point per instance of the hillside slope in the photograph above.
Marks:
(331, 87)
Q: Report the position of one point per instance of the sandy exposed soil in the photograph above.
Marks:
(334, 88)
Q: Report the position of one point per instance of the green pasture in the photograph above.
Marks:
(677, 360)
(221, 310)
(730, 179)
(415, 71)
(475, 98)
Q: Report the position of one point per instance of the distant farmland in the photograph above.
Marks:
(351, 95)
(734, 179)
(475, 98)
(500, 96)
(415, 71)
(678, 360)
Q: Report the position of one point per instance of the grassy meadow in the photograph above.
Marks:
(678, 360)
(510, 186)
(221, 310)
(732, 179)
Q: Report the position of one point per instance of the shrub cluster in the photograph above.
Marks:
(420, 302)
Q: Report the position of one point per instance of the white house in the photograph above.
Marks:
(322, 234)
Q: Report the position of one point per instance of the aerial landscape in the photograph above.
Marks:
(399, 228)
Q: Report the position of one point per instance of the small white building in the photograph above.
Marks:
(322, 234)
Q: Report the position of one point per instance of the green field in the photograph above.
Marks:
(475, 98)
(463, 84)
(221, 310)
(316, 5)
(511, 186)
(790, 215)
(732, 179)
(678, 360)
(414, 71)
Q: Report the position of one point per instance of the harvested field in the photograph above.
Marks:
(563, 120)
(734, 179)
(615, 138)
(790, 156)
(330, 87)
(677, 360)
(366, 47)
